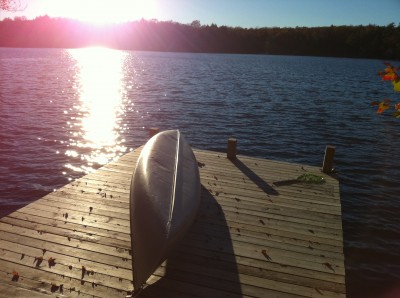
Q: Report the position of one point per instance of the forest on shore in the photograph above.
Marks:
(371, 41)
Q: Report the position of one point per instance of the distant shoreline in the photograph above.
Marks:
(374, 42)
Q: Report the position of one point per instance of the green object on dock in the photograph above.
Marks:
(311, 178)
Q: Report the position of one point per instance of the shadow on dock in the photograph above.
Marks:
(257, 180)
(204, 264)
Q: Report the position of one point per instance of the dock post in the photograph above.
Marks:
(327, 166)
(231, 153)
(153, 131)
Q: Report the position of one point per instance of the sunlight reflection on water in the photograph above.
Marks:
(95, 122)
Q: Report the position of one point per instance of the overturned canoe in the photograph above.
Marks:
(164, 198)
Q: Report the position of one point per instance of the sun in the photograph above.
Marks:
(106, 11)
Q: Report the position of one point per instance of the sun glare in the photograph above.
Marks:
(97, 120)
(106, 11)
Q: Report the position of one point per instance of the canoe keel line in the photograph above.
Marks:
(164, 198)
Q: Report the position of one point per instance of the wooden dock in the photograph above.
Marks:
(258, 233)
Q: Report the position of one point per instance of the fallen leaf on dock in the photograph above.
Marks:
(319, 291)
(38, 261)
(15, 276)
(264, 252)
(51, 261)
(83, 271)
(329, 266)
(55, 288)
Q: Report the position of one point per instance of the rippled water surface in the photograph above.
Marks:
(64, 113)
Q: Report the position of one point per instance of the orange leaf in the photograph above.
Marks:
(383, 106)
(389, 73)
(389, 76)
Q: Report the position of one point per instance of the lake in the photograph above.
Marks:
(65, 113)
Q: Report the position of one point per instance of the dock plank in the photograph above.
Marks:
(255, 235)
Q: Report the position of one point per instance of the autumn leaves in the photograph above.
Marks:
(389, 74)
(51, 253)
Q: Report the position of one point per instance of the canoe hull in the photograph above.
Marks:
(164, 198)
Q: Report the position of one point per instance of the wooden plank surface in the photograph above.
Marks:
(257, 234)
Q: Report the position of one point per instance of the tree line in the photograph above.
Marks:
(371, 41)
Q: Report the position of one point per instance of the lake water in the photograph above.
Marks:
(67, 112)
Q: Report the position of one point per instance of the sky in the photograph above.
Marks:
(233, 13)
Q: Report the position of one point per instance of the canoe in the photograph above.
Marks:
(164, 199)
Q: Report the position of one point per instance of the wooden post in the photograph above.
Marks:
(231, 153)
(327, 166)
(153, 131)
